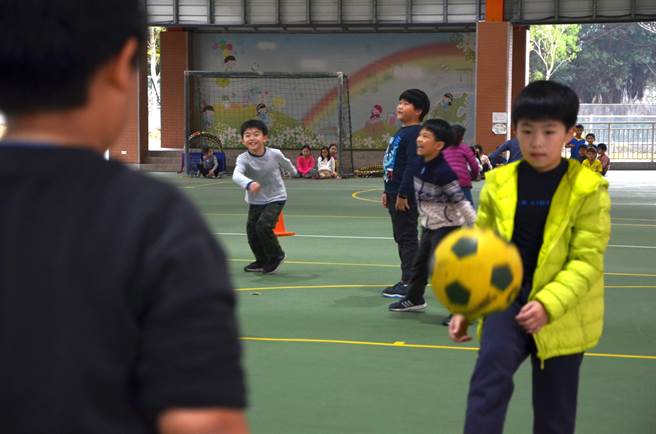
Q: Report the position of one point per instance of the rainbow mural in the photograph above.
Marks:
(443, 53)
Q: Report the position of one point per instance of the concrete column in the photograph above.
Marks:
(132, 144)
(174, 57)
(493, 79)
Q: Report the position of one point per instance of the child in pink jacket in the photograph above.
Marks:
(462, 161)
(305, 163)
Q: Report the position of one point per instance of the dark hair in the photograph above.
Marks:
(546, 100)
(204, 149)
(590, 134)
(303, 147)
(591, 147)
(50, 50)
(254, 123)
(479, 148)
(327, 150)
(418, 99)
(458, 133)
(441, 130)
(602, 146)
(580, 126)
(229, 58)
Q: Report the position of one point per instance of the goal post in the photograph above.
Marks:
(298, 109)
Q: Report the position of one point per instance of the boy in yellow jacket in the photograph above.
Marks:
(558, 215)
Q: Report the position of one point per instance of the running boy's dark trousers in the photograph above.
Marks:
(404, 227)
(259, 228)
(421, 268)
(504, 346)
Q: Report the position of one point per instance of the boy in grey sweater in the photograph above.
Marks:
(258, 172)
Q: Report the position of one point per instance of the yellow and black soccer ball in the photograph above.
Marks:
(476, 272)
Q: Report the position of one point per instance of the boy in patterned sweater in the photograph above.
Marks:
(441, 203)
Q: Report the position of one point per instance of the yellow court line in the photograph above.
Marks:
(266, 288)
(305, 215)
(204, 185)
(637, 225)
(400, 344)
(356, 195)
(355, 264)
(328, 263)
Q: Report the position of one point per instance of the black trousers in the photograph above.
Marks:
(504, 346)
(421, 267)
(404, 228)
(259, 229)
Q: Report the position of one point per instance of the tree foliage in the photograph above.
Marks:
(552, 46)
(616, 64)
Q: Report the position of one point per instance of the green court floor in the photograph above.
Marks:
(323, 354)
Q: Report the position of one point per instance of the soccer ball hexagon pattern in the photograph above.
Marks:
(476, 272)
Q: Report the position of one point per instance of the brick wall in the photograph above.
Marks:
(493, 48)
(174, 62)
(131, 145)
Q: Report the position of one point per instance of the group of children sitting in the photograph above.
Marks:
(324, 167)
(584, 150)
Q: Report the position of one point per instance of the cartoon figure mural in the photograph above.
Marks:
(262, 114)
(208, 117)
(374, 124)
(229, 60)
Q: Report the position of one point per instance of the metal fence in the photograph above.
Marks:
(626, 141)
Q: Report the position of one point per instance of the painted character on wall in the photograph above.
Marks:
(374, 124)
(263, 114)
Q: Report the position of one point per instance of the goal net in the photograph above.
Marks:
(299, 109)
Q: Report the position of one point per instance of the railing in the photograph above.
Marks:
(626, 141)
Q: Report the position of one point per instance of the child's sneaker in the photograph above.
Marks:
(398, 290)
(406, 305)
(253, 267)
(273, 265)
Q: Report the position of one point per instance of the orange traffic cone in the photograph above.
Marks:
(280, 230)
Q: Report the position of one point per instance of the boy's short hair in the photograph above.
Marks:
(591, 148)
(418, 99)
(583, 147)
(51, 49)
(579, 127)
(590, 135)
(546, 100)
(602, 147)
(204, 149)
(254, 123)
(441, 130)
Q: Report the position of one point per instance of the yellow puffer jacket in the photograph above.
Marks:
(568, 279)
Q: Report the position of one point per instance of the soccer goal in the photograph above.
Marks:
(299, 109)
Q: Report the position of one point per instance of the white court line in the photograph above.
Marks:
(349, 237)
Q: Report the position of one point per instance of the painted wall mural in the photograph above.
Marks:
(379, 67)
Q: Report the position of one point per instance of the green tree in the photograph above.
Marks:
(615, 64)
(552, 46)
(154, 60)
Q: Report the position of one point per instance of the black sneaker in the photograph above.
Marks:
(406, 305)
(273, 265)
(446, 321)
(253, 267)
(399, 290)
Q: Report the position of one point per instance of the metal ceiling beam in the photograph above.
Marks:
(210, 11)
(445, 11)
(176, 11)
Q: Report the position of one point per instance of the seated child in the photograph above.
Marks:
(484, 163)
(326, 164)
(591, 161)
(582, 153)
(208, 166)
(333, 153)
(603, 157)
(304, 163)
